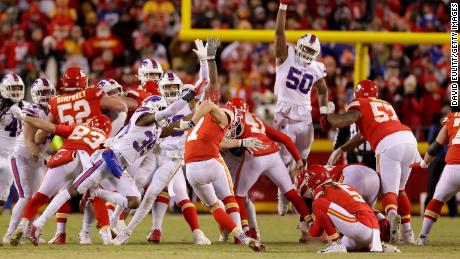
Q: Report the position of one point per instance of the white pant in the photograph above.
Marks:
(142, 169)
(355, 234)
(59, 178)
(27, 174)
(393, 163)
(270, 165)
(364, 180)
(449, 183)
(179, 187)
(210, 180)
(6, 178)
(300, 132)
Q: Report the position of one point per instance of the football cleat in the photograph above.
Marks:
(154, 236)
(106, 235)
(223, 237)
(255, 245)
(35, 233)
(121, 238)
(119, 226)
(422, 240)
(334, 247)
(6, 239)
(199, 238)
(282, 204)
(84, 238)
(387, 248)
(58, 239)
(254, 233)
(395, 233)
(408, 237)
(20, 232)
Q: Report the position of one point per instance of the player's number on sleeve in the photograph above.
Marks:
(194, 134)
(296, 80)
(255, 124)
(383, 112)
(80, 108)
(93, 138)
(352, 193)
(456, 140)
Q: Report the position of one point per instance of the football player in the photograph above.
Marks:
(12, 93)
(27, 159)
(297, 72)
(449, 182)
(395, 149)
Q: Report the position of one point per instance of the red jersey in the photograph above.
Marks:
(253, 127)
(78, 107)
(378, 119)
(81, 137)
(346, 197)
(203, 140)
(452, 122)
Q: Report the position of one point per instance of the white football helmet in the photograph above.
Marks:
(155, 102)
(149, 69)
(307, 49)
(170, 87)
(42, 91)
(111, 87)
(13, 87)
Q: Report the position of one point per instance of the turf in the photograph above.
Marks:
(278, 233)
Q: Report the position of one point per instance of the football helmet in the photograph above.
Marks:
(111, 87)
(236, 124)
(239, 103)
(12, 87)
(366, 89)
(149, 70)
(42, 91)
(170, 87)
(307, 49)
(155, 102)
(101, 122)
(316, 175)
(74, 79)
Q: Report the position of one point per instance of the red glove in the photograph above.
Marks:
(325, 126)
(201, 87)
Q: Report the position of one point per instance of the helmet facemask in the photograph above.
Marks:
(15, 92)
(236, 127)
(306, 52)
(171, 92)
(42, 96)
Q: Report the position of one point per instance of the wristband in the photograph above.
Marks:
(212, 57)
(323, 110)
(283, 7)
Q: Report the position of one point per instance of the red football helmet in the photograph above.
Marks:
(101, 122)
(74, 79)
(239, 103)
(317, 175)
(366, 89)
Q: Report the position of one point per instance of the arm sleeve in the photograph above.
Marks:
(63, 130)
(172, 109)
(118, 123)
(342, 136)
(278, 136)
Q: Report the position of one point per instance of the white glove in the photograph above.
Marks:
(201, 50)
(185, 125)
(330, 108)
(423, 164)
(17, 112)
(335, 156)
(162, 124)
(252, 144)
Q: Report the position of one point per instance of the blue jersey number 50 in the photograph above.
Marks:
(295, 80)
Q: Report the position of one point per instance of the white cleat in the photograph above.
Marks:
(408, 237)
(6, 239)
(395, 233)
(334, 247)
(119, 226)
(223, 237)
(84, 238)
(282, 204)
(199, 238)
(387, 248)
(121, 238)
(106, 236)
(422, 240)
(22, 231)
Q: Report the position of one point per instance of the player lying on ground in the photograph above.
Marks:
(395, 149)
(449, 184)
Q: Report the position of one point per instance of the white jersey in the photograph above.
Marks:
(10, 128)
(133, 142)
(33, 110)
(173, 146)
(293, 87)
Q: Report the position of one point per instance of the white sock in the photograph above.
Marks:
(426, 227)
(16, 214)
(53, 207)
(392, 213)
(380, 216)
(60, 227)
(158, 213)
(113, 197)
(236, 218)
(407, 226)
(252, 220)
(140, 214)
(88, 219)
(241, 236)
(116, 215)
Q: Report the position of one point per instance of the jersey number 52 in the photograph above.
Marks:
(296, 80)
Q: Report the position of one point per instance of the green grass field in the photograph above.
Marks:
(278, 233)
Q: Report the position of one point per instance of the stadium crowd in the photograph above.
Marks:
(108, 38)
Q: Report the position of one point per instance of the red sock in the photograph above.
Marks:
(298, 203)
(390, 202)
(190, 214)
(231, 205)
(110, 206)
(63, 212)
(163, 197)
(404, 206)
(122, 216)
(100, 212)
(223, 219)
(322, 220)
(243, 211)
(32, 206)
(433, 210)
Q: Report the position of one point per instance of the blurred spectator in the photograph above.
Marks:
(410, 109)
